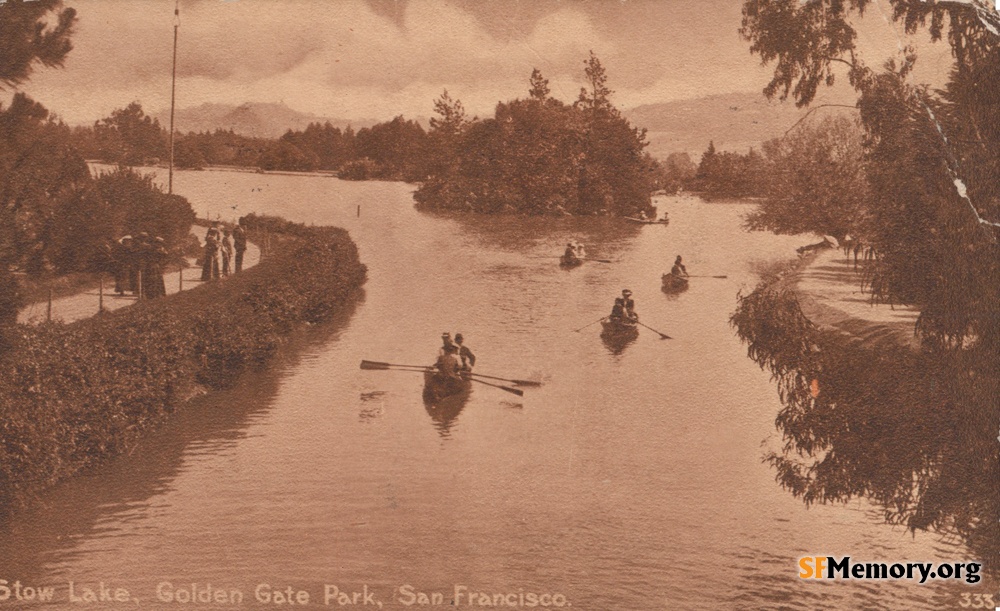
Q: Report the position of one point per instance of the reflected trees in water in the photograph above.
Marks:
(914, 432)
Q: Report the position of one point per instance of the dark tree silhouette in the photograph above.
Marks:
(26, 37)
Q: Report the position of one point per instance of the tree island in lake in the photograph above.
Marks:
(540, 156)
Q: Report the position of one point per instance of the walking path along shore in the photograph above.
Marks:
(85, 303)
(829, 293)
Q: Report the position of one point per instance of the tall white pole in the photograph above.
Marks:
(173, 90)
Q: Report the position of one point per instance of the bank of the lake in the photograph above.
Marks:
(74, 395)
(868, 413)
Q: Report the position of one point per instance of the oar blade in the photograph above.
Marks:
(526, 383)
(375, 365)
(513, 391)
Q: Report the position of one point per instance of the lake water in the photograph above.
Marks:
(632, 479)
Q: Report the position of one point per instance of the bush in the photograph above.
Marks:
(74, 395)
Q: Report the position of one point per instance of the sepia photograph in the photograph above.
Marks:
(598, 305)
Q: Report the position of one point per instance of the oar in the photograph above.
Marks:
(514, 391)
(723, 277)
(662, 335)
(579, 258)
(406, 369)
(590, 323)
(380, 365)
(512, 381)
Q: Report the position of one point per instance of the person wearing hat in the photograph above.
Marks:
(629, 304)
(240, 244)
(447, 362)
(226, 249)
(152, 273)
(570, 253)
(210, 266)
(120, 253)
(446, 344)
(618, 311)
(580, 252)
(468, 359)
(678, 269)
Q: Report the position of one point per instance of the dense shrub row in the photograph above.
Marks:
(74, 395)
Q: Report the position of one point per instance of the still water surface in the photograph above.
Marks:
(631, 480)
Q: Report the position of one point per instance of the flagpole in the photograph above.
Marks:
(173, 90)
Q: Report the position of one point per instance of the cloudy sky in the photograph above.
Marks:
(358, 59)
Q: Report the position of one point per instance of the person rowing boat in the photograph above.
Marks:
(678, 269)
(677, 279)
(570, 258)
(447, 378)
(466, 355)
(623, 323)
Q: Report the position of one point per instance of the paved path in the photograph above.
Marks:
(830, 296)
(84, 305)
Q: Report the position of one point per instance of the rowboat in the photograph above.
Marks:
(674, 284)
(569, 262)
(619, 329)
(438, 387)
(648, 222)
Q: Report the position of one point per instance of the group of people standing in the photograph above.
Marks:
(222, 249)
(454, 357)
(138, 263)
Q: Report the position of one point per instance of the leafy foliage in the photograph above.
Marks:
(27, 38)
(72, 396)
(728, 174)
(540, 156)
(130, 137)
(934, 209)
(814, 180)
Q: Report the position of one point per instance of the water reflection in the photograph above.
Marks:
(122, 492)
(914, 432)
(444, 412)
(603, 236)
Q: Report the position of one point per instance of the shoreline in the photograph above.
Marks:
(74, 396)
(829, 294)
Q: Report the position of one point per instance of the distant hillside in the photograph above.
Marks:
(735, 122)
(255, 119)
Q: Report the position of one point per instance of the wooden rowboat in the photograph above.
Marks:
(647, 222)
(438, 387)
(619, 329)
(569, 262)
(674, 284)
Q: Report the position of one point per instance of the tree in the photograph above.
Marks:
(539, 86)
(539, 158)
(39, 171)
(130, 137)
(931, 221)
(26, 38)
(597, 97)
(284, 155)
(910, 140)
(813, 180)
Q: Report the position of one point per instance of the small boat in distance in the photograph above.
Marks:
(570, 262)
(663, 221)
(673, 283)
